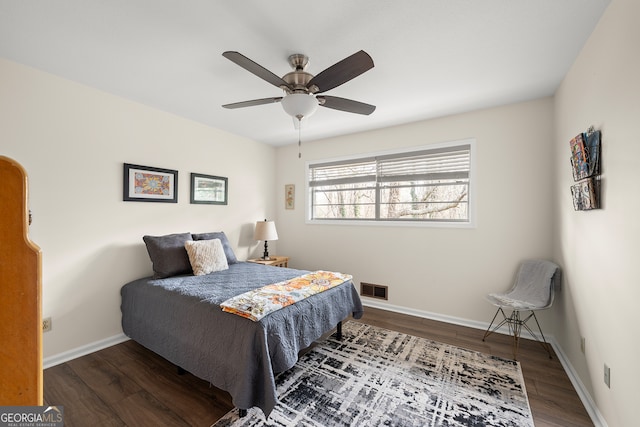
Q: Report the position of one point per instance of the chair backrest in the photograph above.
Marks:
(535, 283)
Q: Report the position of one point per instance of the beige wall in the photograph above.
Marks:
(600, 249)
(73, 141)
(438, 270)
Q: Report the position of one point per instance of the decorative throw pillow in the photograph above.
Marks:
(231, 257)
(167, 253)
(206, 256)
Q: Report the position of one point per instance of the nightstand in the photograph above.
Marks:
(277, 261)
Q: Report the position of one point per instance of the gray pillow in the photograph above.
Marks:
(168, 255)
(231, 257)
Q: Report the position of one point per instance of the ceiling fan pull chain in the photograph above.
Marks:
(299, 138)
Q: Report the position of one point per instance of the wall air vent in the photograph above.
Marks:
(373, 291)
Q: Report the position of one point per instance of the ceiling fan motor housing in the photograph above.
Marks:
(297, 81)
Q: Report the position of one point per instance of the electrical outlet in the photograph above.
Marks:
(607, 375)
(46, 324)
(582, 344)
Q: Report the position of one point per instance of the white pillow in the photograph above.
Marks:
(206, 256)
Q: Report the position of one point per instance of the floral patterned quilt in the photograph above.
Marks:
(260, 302)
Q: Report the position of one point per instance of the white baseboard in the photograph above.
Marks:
(57, 359)
(584, 395)
(427, 314)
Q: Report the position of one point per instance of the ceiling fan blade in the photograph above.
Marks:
(255, 68)
(253, 102)
(341, 72)
(347, 105)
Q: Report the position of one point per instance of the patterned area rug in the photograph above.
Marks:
(377, 377)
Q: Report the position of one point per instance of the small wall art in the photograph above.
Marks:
(584, 195)
(209, 189)
(585, 166)
(149, 184)
(289, 196)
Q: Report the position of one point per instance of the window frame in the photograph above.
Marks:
(439, 223)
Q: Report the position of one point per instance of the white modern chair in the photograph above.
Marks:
(533, 290)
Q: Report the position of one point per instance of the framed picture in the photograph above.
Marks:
(148, 184)
(289, 196)
(208, 189)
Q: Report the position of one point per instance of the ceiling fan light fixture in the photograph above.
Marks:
(299, 105)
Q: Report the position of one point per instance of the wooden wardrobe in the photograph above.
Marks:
(20, 294)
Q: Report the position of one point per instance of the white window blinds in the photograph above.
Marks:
(428, 165)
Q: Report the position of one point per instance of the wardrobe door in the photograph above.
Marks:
(20, 294)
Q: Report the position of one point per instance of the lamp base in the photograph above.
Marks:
(265, 255)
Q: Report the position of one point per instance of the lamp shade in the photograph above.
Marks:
(299, 105)
(265, 230)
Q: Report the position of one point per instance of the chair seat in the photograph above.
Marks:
(503, 300)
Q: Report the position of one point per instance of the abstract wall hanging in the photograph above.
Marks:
(585, 166)
(148, 184)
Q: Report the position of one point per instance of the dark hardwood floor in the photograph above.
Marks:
(128, 385)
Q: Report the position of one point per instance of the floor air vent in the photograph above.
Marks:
(373, 291)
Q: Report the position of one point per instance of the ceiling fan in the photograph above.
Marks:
(302, 89)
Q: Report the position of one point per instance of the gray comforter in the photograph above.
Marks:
(180, 319)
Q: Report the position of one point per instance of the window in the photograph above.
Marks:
(430, 184)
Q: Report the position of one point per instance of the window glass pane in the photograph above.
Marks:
(424, 200)
(347, 201)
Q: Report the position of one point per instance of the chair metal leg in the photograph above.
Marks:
(489, 331)
(515, 324)
(515, 328)
(543, 343)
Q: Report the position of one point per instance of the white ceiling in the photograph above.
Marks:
(432, 57)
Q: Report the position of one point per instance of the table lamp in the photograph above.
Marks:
(265, 230)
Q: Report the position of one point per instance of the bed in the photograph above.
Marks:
(179, 317)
